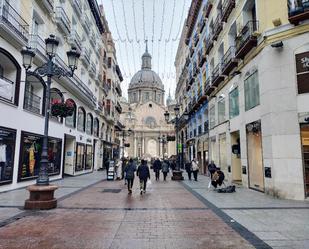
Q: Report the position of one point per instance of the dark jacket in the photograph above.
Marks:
(129, 170)
(212, 168)
(143, 172)
(188, 167)
(157, 166)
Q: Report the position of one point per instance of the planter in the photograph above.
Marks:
(60, 109)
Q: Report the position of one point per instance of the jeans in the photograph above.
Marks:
(189, 172)
(164, 175)
(157, 175)
(195, 174)
(143, 184)
(130, 184)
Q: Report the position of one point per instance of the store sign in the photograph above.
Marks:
(302, 70)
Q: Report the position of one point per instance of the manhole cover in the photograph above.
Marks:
(111, 190)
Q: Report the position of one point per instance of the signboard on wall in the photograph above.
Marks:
(302, 71)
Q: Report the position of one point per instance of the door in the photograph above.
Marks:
(235, 158)
(255, 157)
(305, 148)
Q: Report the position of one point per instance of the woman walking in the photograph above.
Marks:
(195, 168)
(143, 174)
(165, 168)
(129, 174)
(189, 169)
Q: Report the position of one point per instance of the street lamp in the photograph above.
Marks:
(49, 70)
(177, 174)
(163, 140)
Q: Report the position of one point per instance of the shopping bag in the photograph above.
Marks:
(149, 182)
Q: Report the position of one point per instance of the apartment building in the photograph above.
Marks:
(247, 90)
(76, 142)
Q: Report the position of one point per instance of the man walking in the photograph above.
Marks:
(165, 168)
(129, 174)
(188, 169)
(195, 168)
(143, 174)
(157, 166)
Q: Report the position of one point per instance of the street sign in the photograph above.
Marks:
(126, 145)
(170, 138)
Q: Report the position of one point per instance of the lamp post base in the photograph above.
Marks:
(177, 175)
(41, 197)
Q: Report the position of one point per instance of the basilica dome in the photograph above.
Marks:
(146, 78)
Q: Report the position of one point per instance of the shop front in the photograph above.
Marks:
(7, 150)
(30, 156)
(255, 156)
(84, 157)
(107, 152)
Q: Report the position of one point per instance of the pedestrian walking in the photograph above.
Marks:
(165, 168)
(106, 165)
(188, 168)
(157, 166)
(143, 174)
(129, 174)
(195, 168)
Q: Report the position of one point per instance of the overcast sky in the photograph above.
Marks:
(159, 21)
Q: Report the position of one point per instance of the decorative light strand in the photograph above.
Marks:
(172, 22)
(134, 17)
(163, 14)
(126, 48)
(118, 33)
(181, 21)
(143, 6)
(125, 23)
(121, 58)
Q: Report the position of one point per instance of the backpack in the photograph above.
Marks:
(228, 189)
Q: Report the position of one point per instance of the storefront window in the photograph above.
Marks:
(80, 153)
(96, 127)
(31, 150)
(221, 110)
(71, 120)
(7, 149)
(234, 103)
(89, 157)
(252, 92)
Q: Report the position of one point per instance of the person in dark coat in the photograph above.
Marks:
(106, 165)
(188, 168)
(165, 168)
(143, 174)
(129, 174)
(212, 168)
(157, 166)
(173, 165)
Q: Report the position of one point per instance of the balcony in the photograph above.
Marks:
(191, 79)
(63, 20)
(7, 89)
(196, 39)
(86, 23)
(218, 26)
(32, 102)
(299, 13)
(227, 9)
(93, 39)
(106, 88)
(85, 56)
(191, 50)
(247, 39)
(12, 26)
(187, 61)
(201, 57)
(38, 45)
(75, 40)
(208, 87)
(77, 5)
(217, 77)
(47, 4)
(209, 43)
(118, 108)
(118, 89)
(201, 96)
(92, 70)
(202, 24)
(229, 61)
(208, 8)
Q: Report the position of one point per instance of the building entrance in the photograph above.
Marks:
(305, 149)
(235, 158)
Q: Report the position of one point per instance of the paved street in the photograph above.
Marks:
(100, 214)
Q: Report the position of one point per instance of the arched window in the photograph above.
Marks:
(89, 124)
(71, 120)
(96, 127)
(81, 118)
(34, 98)
(9, 77)
(56, 96)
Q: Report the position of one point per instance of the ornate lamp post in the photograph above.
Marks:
(41, 194)
(177, 174)
(163, 140)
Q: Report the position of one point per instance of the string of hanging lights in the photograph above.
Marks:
(172, 22)
(181, 20)
(126, 50)
(163, 14)
(143, 7)
(134, 22)
(125, 23)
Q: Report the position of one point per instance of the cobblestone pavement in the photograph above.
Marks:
(105, 216)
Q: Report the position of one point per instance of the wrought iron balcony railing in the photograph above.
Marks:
(227, 8)
(32, 102)
(13, 24)
(218, 26)
(229, 61)
(6, 89)
(299, 12)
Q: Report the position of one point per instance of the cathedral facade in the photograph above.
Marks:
(143, 114)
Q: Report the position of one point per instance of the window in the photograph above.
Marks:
(147, 96)
(252, 93)
(221, 110)
(234, 103)
(109, 62)
(212, 117)
(81, 116)
(89, 157)
(71, 120)
(9, 77)
(96, 127)
(89, 124)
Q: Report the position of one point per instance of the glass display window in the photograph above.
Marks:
(80, 157)
(89, 157)
(7, 150)
(30, 155)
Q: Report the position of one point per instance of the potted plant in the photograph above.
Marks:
(62, 109)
